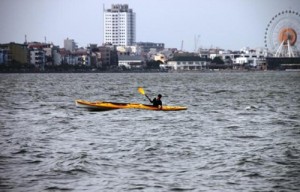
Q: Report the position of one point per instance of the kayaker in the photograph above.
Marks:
(156, 101)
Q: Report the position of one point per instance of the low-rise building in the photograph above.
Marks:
(15, 53)
(109, 56)
(70, 45)
(129, 50)
(52, 55)
(160, 57)
(146, 46)
(56, 56)
(37, 57)
(3, 56)
(187, 63)
(131, 62)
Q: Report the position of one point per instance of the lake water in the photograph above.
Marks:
(241, 132)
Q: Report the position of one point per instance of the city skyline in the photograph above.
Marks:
(230, 24)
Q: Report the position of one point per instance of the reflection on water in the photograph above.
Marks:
(241, 132)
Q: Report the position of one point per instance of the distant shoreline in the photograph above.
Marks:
(147, 71)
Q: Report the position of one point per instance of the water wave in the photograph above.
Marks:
(240, 133)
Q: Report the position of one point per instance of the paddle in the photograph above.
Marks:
(142, 91)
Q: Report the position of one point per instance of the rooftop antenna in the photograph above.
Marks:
(25, 39)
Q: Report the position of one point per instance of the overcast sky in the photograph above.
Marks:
(228, 24)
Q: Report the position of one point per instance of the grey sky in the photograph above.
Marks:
(228, 24)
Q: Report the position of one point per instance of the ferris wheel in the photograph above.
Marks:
(281, 34)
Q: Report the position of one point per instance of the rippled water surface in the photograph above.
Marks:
(241, 132)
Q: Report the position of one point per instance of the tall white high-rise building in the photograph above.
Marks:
(119, 25)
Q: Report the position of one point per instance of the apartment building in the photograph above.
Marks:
(38, 57)
(119, 25)
(70, 45)
(13, 53)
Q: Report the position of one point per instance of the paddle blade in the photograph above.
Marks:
(141, 91)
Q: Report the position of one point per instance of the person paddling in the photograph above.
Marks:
(156, 101)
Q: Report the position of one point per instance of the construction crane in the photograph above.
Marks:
(196, 41)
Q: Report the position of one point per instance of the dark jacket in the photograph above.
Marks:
(156, 102)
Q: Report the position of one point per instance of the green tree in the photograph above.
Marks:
(153, 64)
(218, 60)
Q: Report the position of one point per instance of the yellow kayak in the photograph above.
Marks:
(103, 106)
